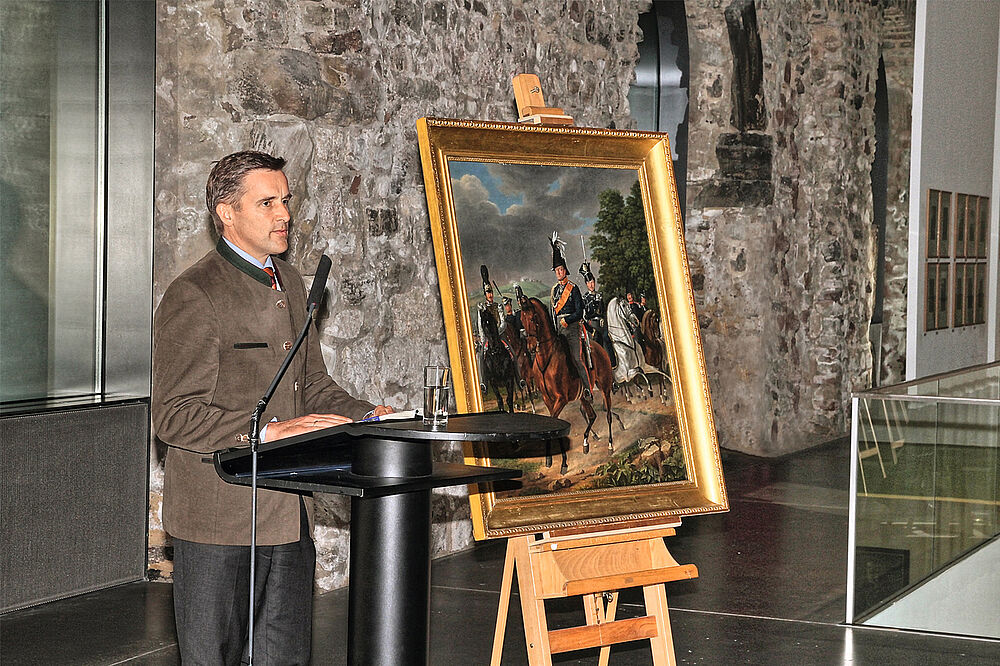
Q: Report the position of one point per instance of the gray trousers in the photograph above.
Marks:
(572, 335)
(211, 589)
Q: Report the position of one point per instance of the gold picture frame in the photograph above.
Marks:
(479, 162)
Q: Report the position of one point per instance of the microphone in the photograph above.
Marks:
(315, 296)
(319, 283)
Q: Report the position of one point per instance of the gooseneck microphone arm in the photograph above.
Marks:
(312, 304)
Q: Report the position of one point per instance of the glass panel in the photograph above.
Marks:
(931, 298)
(51, 222)
(959, 314)
(932, 222)
(980, 311)
(945, 232)
(942, 312)
(927, 496)
(960, 224)
(983, 226)
(970, 295)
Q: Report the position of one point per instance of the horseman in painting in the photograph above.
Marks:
(594, 312)
(496, 361)
(566, 305)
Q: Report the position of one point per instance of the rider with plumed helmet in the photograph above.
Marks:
(566, 306)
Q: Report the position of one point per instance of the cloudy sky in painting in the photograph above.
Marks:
(507, 212)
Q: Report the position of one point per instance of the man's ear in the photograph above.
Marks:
(225, 213)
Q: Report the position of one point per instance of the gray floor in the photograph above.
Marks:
(771, 591)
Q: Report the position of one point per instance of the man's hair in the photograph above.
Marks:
(225, 183)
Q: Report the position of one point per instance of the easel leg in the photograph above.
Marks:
(505, 586)
(609, 616)
(662, 646)
(597, 613)
(536, 631)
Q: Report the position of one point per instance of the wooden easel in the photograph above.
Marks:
(595, 566)
(531, 104)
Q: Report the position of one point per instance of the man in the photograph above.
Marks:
(219, 335)
(566, 306)
(512, 323)
(491, 311)
(512, 320)
(594, 312)
(633, 306)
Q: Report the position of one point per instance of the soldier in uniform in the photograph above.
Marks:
(633, 306)
(490, 305)
(512, 323)
(489, 308)
(512, 319)
(594, 312)
(567, 310)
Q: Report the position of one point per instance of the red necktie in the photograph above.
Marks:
(271, 274)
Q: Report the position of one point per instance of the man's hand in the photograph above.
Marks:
(562, 322)
(382, 410)
(303, 424)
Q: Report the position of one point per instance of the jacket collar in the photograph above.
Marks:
(242, 264)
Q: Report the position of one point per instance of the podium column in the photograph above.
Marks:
(389, 596)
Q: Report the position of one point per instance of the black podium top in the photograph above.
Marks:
(321, 461)
(481, 427)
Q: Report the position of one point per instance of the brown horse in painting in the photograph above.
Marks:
(557, 378)
(525, 364)
(652, 340)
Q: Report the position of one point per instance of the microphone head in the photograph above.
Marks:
(319, 282)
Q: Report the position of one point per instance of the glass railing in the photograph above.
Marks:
(925, 505)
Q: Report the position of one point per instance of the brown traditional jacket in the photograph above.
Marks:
(219, 336)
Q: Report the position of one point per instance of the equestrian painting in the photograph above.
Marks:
(566, 291)
(554, 247)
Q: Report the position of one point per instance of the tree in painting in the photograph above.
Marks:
(620, 244)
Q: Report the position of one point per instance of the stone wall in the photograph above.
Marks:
(335, 86)
(779, 224)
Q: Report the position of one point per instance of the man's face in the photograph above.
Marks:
(561, 273)
(258, 222)
(489, 297)
(591, 285)
(508, 308)
(630, 298)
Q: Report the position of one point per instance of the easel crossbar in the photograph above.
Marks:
(601, 635)
(633, 579)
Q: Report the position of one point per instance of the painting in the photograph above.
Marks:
(566, 292)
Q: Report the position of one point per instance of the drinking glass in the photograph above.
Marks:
(436, 378)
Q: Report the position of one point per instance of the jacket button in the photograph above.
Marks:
(287, 345)
(280, 305)
(243, 437)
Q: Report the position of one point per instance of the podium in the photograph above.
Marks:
(387, 469)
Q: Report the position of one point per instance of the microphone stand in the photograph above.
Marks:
(258, 412)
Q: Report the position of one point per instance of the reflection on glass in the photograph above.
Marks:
(49, 231)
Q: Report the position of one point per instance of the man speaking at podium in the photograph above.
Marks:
(220, 334)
